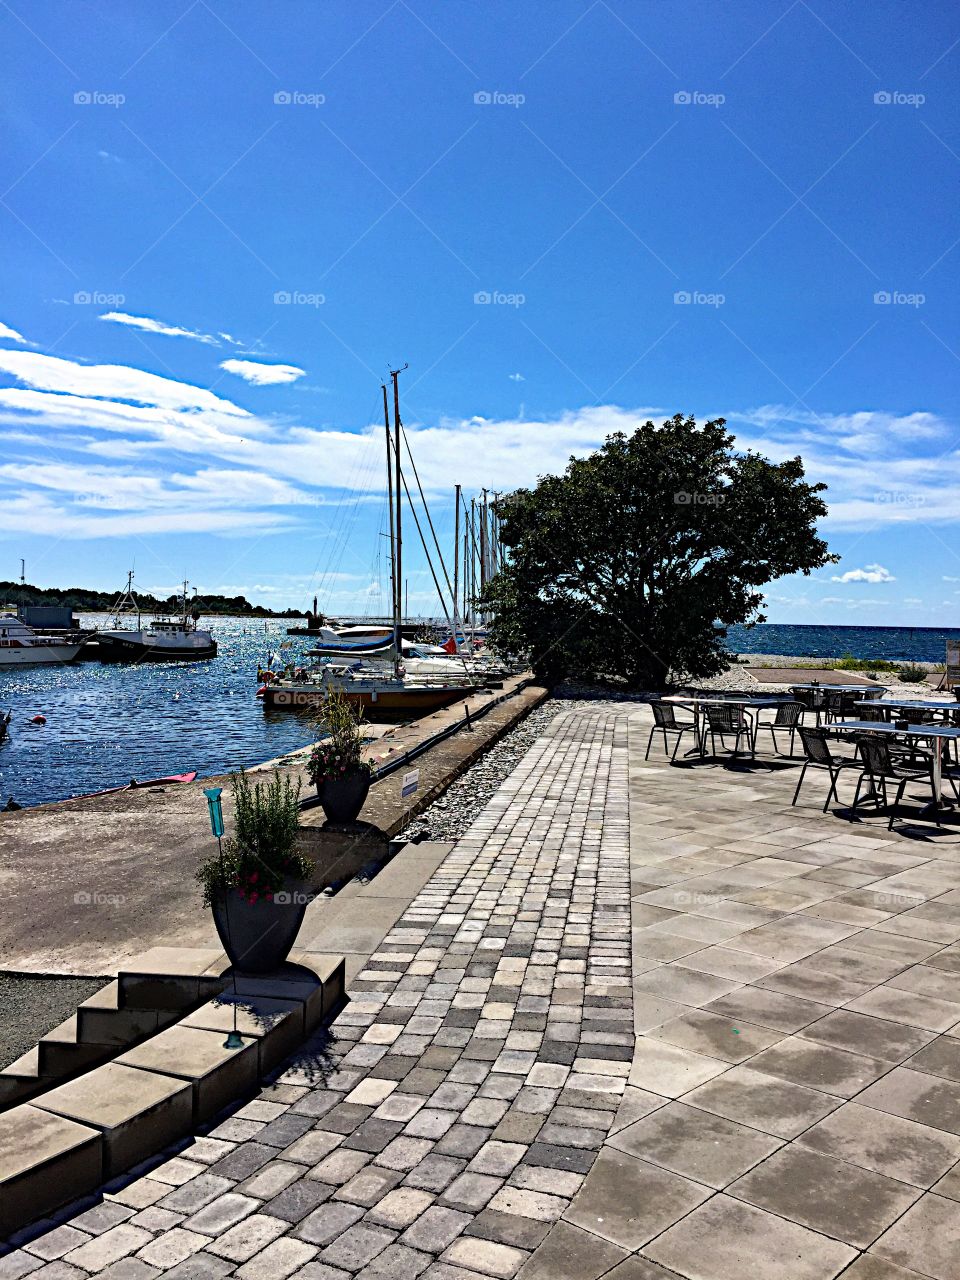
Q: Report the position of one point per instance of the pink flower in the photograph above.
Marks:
(253, 898)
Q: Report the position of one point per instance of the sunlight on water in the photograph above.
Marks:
(108, 724)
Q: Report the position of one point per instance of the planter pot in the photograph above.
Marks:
(343, 798)
(258, 936)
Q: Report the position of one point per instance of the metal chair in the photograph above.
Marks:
(875, 713)
(880, 766)
(724, 721)
(787, 719)
(665, 721)
(817, 750)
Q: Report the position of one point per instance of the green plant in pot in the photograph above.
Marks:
(335, 766)
(259, 883)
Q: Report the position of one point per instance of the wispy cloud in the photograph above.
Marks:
(262, 375)
(147, 325)
(114, 382)
(10, 335)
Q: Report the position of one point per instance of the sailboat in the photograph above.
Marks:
(391, 685)
(165, 639)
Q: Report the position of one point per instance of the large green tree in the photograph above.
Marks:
(624, 564)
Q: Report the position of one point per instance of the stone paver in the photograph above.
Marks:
(642, 1021)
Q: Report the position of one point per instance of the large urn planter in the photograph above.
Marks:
(258, 936)
(342, 798)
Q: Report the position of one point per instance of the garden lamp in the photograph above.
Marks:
(234, 1040)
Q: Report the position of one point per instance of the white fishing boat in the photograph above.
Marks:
(21, 646)
(171, 639)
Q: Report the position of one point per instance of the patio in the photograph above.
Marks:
(772, 1081)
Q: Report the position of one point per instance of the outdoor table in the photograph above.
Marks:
(936, 734)
(911, 704)
(696, 701)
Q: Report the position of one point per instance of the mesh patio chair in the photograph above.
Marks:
(809, 699)
(816, 748)
(876, 713)
(665, 721)
(727, 721)
(787, 718)
(880, 766)
(837, 705)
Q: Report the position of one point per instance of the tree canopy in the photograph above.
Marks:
(632, 563)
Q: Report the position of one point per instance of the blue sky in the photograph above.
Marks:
(221, 223)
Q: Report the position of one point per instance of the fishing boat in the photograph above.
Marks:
(165, 639)
(21, 646)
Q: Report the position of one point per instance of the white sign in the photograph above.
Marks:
(411, 782)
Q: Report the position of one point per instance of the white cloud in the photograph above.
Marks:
(872, 573)
(947, 578)
(10, 335)
(107, 381)
(516, 377)
(157, 326)
(262, 375)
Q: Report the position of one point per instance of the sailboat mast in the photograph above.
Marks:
(456, 561)
(398, 553)
(393, 547)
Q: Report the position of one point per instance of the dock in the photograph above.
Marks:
(91, 882)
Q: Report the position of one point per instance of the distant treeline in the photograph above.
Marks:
(84, 601)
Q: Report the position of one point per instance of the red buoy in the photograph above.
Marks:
(39, 720)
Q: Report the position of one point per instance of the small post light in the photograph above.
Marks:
(215, 809)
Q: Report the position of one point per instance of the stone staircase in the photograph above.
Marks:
(143, 1063)
(156, 990)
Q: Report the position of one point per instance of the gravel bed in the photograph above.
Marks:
(448, 818)
(31, 1005)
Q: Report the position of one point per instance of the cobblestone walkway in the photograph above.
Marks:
(457, 1104)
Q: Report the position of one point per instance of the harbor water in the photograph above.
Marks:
(108, 724)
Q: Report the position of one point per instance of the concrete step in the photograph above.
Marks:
(45, 1162)
(171, 978)
(21, 1079)
(100, 1020)
(138, 1112)
(62, 1054)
